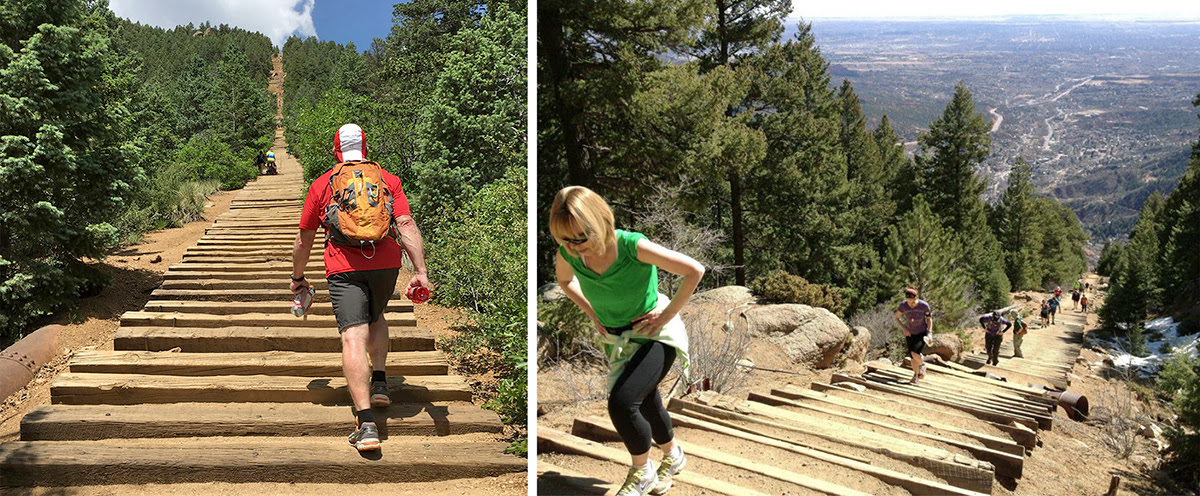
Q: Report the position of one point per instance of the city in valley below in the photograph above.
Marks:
(1102, 110)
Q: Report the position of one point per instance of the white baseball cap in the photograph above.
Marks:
(349, 143)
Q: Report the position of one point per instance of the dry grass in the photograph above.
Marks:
(717, 340)
(1119, 417)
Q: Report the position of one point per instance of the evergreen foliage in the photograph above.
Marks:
(786, 168)
(950, 150)
(926, 255)
(65, 167)
(1108, 257)
(781, 287)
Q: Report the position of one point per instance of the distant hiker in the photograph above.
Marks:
(1054, 303)
(1083, 302)
(361, 273)
(260, 161)
(271, 168)
(1019, 329)
(1057, 291)
(613, 276)
(915, 317)
(1075, 299)
(993, 334)
(1078, 285)
(1044, 312)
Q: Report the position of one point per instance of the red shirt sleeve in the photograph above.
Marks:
(314, 203)
(399, 201)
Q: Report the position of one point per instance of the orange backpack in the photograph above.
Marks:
(360, 207)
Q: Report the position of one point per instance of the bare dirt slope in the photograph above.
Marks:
(799, 433)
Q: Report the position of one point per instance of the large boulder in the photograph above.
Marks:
(724, 294)
(550, 292)
(948, 346)
(811, 336)
(860, 342)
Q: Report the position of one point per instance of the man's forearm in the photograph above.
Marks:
(301, 252)
(410, 240)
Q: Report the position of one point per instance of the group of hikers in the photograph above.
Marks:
(265, 163)
(612, 275)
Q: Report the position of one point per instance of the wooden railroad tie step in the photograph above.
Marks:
(93, 422)
(599, 429)
(259, 319)
(235, 339)
(132, 389)
(284, 363)
(555, 440)
(259, 459)
(958, 470)
(241, 307)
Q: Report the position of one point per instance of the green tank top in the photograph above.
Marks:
(626, 291)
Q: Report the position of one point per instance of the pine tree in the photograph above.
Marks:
(955, 144)
(924, 254)
(896, 169)
(1017, 229)
(1134, 287)
(733, 28)
(63, 166)
(1180, 273)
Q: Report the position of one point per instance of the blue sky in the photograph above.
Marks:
(342, 21)
(358, 22)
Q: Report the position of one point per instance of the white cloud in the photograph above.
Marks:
(277, 19)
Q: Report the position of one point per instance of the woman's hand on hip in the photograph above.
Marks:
(651, 322)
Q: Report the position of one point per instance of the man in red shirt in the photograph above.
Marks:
(361, 281)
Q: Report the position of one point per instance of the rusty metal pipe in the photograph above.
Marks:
(21, 361)
(1075, 404)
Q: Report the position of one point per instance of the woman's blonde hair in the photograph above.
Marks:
(579, 207)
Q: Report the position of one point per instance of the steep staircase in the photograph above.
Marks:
(957, 432)
(214, 380)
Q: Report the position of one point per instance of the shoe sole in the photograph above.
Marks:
(380, 400)
(367, 446)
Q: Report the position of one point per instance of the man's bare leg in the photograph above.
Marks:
(378, 343)
(355, 366)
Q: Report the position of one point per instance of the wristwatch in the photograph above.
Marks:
(296, 279)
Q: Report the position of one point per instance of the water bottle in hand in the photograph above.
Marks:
(302, 301)
(418, 294)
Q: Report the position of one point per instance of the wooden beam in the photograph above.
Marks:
(595, 425)
(983, 413)
(129, 389)
(93, 422)
(245, 339)
(555, 440)
(285, 363)
(958, 470)
(1020, 434)
(916, 485)
(1005, 464)
(260, 459)
(1001, 444)
(139, 318)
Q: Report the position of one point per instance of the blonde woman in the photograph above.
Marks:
(613, 276)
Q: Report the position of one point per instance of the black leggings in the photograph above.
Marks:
(635, 406)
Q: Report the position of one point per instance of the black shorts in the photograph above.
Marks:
(916, 343)
(360, 297)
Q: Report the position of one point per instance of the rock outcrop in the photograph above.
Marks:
(811, 336)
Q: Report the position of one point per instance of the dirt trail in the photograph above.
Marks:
(954, 433)
(205, 337)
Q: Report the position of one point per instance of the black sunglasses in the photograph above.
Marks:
(575, 241)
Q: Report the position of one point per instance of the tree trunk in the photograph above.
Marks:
(550, 29)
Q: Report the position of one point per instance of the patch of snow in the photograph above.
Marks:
(1152, 363)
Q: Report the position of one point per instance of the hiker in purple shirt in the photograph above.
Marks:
(915, 317)
(993, 334)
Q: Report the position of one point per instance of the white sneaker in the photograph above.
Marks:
(666, 471)
(639, 481)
